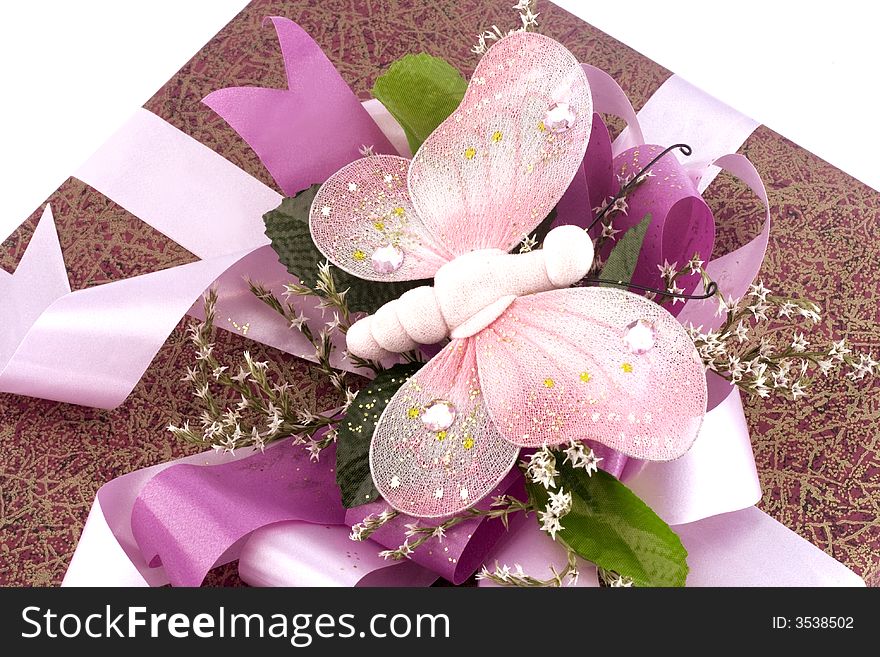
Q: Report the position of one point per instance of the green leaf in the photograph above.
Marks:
(611, 527)
(420, 91)
(355, 431)
(622, 260)
(287, 226)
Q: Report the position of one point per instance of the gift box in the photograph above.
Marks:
(816, 458)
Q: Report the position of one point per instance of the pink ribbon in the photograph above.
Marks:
(92, 346)
(109, 555)
(287, 126)
(188, 516)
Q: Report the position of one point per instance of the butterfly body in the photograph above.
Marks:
(469, 293)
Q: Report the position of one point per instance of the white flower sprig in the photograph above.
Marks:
(362, 530)
(612, 208)
(613, 580)
(507, 576)
(579, 457)
(760, 346)
(540, 468)
(250, 408)
(502, 508)
(528, 20)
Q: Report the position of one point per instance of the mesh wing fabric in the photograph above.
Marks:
(438, 473)
(365, 206)
(485, 178)
(555, 367)
(491, 172)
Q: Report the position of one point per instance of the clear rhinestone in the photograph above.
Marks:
(640, 337)
(438, 415)
(387, 259)
(559, 117)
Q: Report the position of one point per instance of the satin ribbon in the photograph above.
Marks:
(683, 491)
(92, 346)
(741, 548)
(108, 553)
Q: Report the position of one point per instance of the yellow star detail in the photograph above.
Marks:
(496, 136)
(585, 377)
(542, 127)
(470, 152)
(468, 442)
(359, 255)
(441, 436)
(627, 367)
(413, 413)
(549, 383)
(379, 225)
(398, 211)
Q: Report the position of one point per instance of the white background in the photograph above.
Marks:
(74, 70)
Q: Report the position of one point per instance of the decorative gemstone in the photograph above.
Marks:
(438, 415)
(559, 117)
(387, 259)
(640, 337)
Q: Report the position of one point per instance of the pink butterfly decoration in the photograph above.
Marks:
(531, 361)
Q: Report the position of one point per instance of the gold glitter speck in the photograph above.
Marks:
(468, 442)
(585, 377)
(549, 383)
(359, 255)
(379, 225)
(441, 436)
(470, 152)
(413, 413)
(496, 136)
(627, 367)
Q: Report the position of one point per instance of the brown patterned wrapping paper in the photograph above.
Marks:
(819, 458)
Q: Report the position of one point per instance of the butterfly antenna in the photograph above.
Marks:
(711, 289)
(684, 148)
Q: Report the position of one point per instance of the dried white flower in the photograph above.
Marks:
(541, 468)
(550, 523)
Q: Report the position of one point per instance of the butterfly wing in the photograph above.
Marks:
(364, 222)
(596, 363)
(435, 451)
(493, 170)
